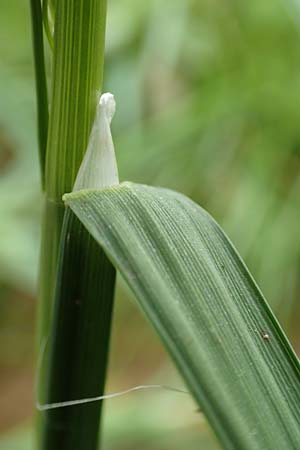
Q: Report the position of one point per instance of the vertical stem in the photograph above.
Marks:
(40, 80)
(74, 273)
(79, 339)
(77, 79)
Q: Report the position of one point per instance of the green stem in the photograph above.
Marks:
(45, 13)
(41, 82)
(77, 78)
(80, 339)
(80, 328)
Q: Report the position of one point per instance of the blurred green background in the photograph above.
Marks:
(208, 95)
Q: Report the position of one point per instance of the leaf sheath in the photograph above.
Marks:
(78, 345)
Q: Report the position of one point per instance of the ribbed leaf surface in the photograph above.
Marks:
(207, 309)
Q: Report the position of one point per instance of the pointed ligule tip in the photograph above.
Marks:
(99, 167)
(108, 105)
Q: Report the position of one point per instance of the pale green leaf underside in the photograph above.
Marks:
(205, 306)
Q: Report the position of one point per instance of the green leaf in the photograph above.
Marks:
(205, 306)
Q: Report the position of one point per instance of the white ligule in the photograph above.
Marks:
(99, 167)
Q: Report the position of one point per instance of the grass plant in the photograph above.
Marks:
(187, 276)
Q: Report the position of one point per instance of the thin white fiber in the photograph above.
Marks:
(48, 406)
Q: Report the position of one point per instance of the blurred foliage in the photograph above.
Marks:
(208, 95)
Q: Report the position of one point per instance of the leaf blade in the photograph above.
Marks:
(205, 306)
